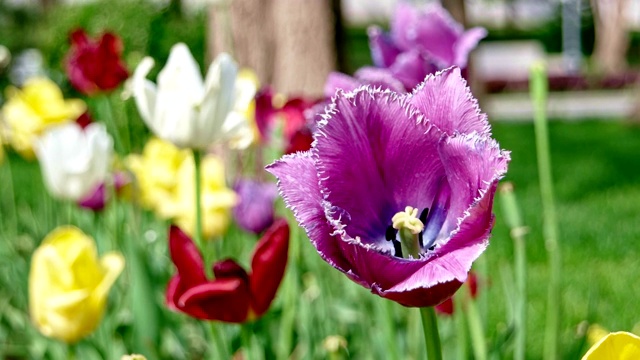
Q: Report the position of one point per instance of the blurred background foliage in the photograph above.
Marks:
(150, 29)
(146, 29)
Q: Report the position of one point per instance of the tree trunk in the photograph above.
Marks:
(612, 40)
(47, 4)
(457, 10)
(290, 44)
(243, 28)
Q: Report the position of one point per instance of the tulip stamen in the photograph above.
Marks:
(409, 227)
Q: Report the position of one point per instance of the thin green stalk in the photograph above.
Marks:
(146, 332)
(111, 197)
(431, 335)
(290, 297)
(69, 210)
(481, 269)
(513, 219)
(72, 351)
(105, 114)
(539, 88)
(478, 342)
(461, 330)
(8, 185)
(389, 327)
(125, 126)
(414, 345)
(216, 334)
(250, 346)
(197, 161)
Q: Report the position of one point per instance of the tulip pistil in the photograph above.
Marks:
(409, 227)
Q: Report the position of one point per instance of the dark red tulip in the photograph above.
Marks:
(84, 119)
(95, 66)
(265, 112)
(235, 295)
(301, 140)
(295, 114)
(446, 308)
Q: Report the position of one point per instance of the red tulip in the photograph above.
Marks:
(295, 114)
(84, 119)
(265, 112)
(446, 308)
(301, 140)
(95, 66)
(234, 295)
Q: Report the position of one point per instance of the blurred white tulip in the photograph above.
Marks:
(74, 160)
(192, 113)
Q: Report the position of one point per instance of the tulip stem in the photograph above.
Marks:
(216, 332)
(431, 335)
(539, 88)
(246, 336)
(71, 351)
(197, 160)
(8, 185)
(478, 342)
(106, 113)
(513, 219)
(388, 321)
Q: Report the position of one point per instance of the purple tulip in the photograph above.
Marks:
(431, 31)
(377, 152)
(421, 42)
(254, 212)
(377, 77)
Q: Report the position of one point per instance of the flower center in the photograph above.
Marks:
(410, 227)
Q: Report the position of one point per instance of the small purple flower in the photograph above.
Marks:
(378, 152)
(254, 212)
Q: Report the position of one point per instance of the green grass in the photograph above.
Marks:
(596, 182)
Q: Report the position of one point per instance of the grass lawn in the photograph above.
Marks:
(597, 182)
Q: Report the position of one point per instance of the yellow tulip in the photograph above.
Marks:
(165, 176)
(68, 284)
(133, 357)
(615, 346)
(217, 199)
(155, 171)
(246, 105)
(37, 106)
(595, 333)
